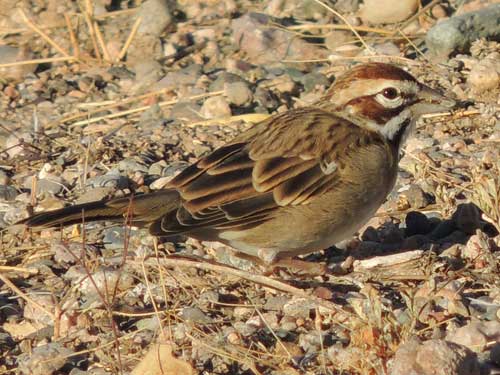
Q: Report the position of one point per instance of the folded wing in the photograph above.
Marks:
(285, 161)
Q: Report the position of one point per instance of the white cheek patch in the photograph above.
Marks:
(388, 103)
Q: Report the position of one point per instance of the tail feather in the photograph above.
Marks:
(143, 209)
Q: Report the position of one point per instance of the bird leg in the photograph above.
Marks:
(309, 268)
(270, 261)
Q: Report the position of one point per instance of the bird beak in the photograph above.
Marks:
(431, 101)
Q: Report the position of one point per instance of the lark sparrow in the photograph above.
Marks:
(295, 183)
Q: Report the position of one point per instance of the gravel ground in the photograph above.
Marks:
(124, 94)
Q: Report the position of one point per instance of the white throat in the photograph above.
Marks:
(393, 126)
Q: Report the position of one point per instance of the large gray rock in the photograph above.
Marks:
(457, 33)
(156, 16)
(11, 54)
(255, 35)
(434, 357)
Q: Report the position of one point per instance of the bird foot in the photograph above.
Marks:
(309, 268)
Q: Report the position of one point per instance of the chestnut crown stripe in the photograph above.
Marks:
(375, 71)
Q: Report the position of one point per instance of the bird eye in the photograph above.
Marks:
(390, 93)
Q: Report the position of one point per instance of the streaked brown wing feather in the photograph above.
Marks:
(286, 160)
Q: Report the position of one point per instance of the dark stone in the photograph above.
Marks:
(443, 229)
(417, 223)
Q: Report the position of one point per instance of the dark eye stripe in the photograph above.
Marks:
(368, 107)
(396, 139)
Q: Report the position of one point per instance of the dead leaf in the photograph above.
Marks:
(160, 361)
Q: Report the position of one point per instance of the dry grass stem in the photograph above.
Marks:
(24, 296)
(247, 118)
(203, 264)
(366, 29)
(142, 109)
(455, 114)
(117, 13)
(87, 13)
(333, 11)
(72, 35)
(415, 16)
(39, 61)
(18, 270)
(376, 58)
(102, 44)
(44, 36)
(130, 38)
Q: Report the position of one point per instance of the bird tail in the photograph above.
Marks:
(139, 210)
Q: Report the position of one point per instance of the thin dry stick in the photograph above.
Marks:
(24, 296)
(304, 61)
(366, 29)
(116, 13)
(456, 115)
(203, 264)
(373, 58)
(163, 286)
(413, 45)
(72, 36)
(131, 36)
(100, 39)
(95, 104)
(120, 339)
(142, 108)
(121, 103)
(415, 16)
(38, 61)
(249, 117)
(105, 107)
(225, 354)
(112, 14)
(368, 48)
(90, 26)
(18, 270)
(36, 29)
(153, 302)
(276, 337)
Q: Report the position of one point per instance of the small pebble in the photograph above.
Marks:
(11, 54)
(298, 308)
(476, 335)
(111, 179)
(156, 16)
(44, 360)
(433, 357)
(485, 75)
(416, 197)
(7, 193)
(194, 315)
(467, 218)
(337, 38)
(387, 11)
(238, 93)
(215, 107)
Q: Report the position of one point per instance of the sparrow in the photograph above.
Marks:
(295, 183)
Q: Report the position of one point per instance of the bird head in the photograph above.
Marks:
(384, 98)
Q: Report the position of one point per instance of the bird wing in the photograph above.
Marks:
(287, 160)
